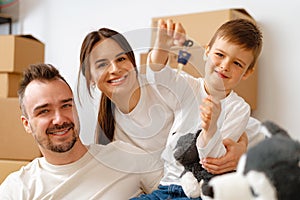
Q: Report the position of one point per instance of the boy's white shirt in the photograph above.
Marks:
(185, 95)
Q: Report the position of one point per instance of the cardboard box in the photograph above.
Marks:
(9, 83)
(19, 51)
(200, 27)
(15, 143)
(9, 166)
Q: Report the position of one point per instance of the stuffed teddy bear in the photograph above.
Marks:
(269, 170)
(194, 178)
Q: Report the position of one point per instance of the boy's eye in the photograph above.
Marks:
(219, 54)
(238, 64)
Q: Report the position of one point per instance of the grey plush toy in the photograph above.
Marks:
(186, 153)
(269, 171)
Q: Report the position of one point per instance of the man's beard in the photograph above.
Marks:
(46, 143)
(63, 147)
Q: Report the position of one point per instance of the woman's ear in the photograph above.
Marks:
(93, 84)
(248, 73)
(26, 124)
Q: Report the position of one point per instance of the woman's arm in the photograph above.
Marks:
(229, 161)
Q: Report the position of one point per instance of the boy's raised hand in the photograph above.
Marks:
(168, 34)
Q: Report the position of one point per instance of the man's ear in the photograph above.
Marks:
(26, 124)
(248, 73)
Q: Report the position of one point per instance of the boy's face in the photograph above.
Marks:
(227, 64)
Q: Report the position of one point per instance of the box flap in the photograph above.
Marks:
(243, 11)
(28, 36)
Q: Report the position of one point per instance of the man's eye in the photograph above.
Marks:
(42, 112)
(121, 59)
(67, 106)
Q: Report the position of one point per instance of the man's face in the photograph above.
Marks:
(51, 115)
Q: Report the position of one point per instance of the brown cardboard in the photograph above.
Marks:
(9, 166)
(19, 51)
(200, 27)
(15, 143)
(9, 83)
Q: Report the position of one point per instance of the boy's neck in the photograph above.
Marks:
(219, 94)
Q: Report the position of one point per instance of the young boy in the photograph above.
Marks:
(231, 56)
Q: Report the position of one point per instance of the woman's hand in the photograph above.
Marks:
(230, 160)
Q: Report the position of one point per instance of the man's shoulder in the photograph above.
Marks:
(24, 173)
(115, 146)
(126, 157)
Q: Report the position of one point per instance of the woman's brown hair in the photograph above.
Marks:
(106, 110)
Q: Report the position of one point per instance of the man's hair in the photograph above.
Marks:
(41, 72)
(241, 32)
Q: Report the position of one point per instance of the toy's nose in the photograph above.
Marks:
(208, 191)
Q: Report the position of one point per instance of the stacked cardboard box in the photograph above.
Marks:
(16, 146)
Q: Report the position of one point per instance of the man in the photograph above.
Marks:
(68, 168)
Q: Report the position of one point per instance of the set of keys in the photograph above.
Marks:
(183, 56)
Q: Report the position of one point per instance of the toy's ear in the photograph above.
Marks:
(248, 73)
(273, 129)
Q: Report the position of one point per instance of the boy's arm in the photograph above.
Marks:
(168, 34)
(210, 112)
(231, 124)
(228, 162)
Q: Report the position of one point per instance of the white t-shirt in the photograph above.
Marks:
(185, 95)
(148, 125)
(115, 171)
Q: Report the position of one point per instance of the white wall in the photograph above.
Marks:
(62, 25)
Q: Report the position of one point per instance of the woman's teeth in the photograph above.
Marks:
(117, 80)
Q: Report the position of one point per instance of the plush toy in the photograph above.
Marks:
(269, 171)
(194, 178)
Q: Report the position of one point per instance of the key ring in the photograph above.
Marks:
(188, 43)
(183, 56)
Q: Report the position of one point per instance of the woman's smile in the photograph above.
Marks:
(118, 81)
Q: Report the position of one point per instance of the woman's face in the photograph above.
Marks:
(111, 69)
